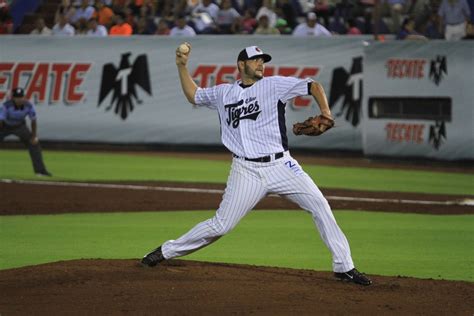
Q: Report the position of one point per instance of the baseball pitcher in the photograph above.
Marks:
(252, 116)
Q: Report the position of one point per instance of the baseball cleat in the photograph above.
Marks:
(153, 258)
(353, 276)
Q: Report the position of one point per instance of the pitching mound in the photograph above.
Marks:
(186, 287)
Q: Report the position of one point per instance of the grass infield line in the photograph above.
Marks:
(215, 191)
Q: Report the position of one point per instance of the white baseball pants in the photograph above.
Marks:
(247, 184)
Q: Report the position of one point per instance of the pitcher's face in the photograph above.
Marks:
(254, 68)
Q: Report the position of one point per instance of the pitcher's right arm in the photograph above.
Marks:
(187, 83)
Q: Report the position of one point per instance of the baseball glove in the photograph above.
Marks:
(314, 126)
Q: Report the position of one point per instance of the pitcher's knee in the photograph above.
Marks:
(221, 227)
(318, 205)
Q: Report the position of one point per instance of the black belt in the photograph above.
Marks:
(261, 159)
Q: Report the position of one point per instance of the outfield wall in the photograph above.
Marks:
(418, 99)
(126, 90)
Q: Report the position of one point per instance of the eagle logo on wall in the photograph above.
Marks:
(437, 134)
(348, 85)
(122, 82)
(438, 67)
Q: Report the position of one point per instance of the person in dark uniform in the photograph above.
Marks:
(12, 122)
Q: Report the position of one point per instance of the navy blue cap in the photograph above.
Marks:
(18, 92)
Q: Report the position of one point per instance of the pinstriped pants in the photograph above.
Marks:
(247, 184)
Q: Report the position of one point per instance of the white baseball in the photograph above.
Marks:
(183, 48)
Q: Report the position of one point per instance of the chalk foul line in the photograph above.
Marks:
(464, 202)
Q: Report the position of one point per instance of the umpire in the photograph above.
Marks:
(12, 121)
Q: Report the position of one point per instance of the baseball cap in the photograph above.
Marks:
(281, 22)
(253, 52)
(18, 93)
(311, 16)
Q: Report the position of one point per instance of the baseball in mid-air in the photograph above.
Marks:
(183, 48)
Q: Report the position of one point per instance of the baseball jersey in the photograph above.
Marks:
(252, 118)
(15, 116)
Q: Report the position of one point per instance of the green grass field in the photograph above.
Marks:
(76, 166)
(382, 243)
(425, 246)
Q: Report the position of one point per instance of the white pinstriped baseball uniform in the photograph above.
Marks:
(253, 126)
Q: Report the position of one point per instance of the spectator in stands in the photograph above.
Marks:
(180, 7)
(226, 18)
(141, 27)
(77, 3)
(129, 17)
(422, 10)
(119, 5)
(352, 28)
(145, 8)
(407, 32)
(264, 27)
(63, 28)
(162, 28)
(95, 29)
(252, 5)
(145, 21)
(432, 28)
(104, 14)
(165, 10)
(6, 20)
(204, 17)
(268, 10)
(311, 27)
(192, 4)
(286, 10)
(305, 6)
(469, 32)
(324, 10)
(236, 27)
(181, 28)
(337, 25)
(121, 28)
(84, 13)
(66, 9)
(454, 15)
(82, 27)
(283, 27)
(395, 8)
(41, 28)
(248, 23)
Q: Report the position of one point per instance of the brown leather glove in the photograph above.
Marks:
(314, 126)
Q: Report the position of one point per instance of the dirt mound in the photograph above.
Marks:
(199, 288)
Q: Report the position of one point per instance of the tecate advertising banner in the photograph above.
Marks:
(127, 90)
(418, 99)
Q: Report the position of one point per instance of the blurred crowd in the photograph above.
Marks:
(406, 19)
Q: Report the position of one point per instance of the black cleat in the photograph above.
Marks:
(153, 258)
(353, 276)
